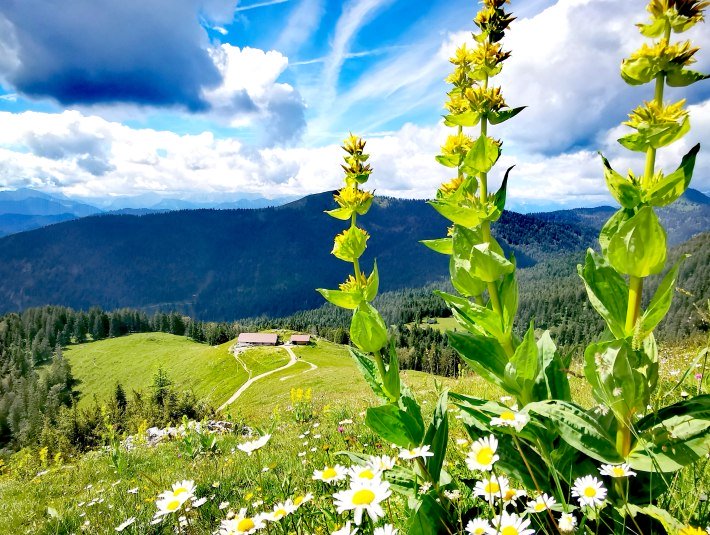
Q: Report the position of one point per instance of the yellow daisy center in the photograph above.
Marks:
(363, 497)
(509, 495)
(367, 474)
(618, 471)
(173, 505)
(540, 507)
(245, 524)
(479, 531)
(508, 415)
(590, 492)
(492, 487)
(484, 455)
(329, 473)
(509, 530)
(298, 500)
(179, 491)
(280, 513)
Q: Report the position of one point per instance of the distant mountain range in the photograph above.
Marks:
(227, 264)
(28, 209)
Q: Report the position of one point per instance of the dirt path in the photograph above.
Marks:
(251, 379)
(312, 367)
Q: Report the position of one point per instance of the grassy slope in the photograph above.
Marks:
(212, 372)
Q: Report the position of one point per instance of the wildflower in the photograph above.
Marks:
(617, 470)
(132, 491)
(345, 422)
(589, 491)
(462, 442)
(453, 495)
(382, 463)
(281, 510)
(482, 455)
(223, 506)
(511, 495)
(241, 524)
(512, 524)
(363, 472)
(171, 501)
(541, 503)
(298, 501)
(198, 503)
(346, 530)
(127, 523)
(252, 446)
(492, 488)
(689, 530)
(567, 523)
(363, 497)
(478, 526)
(387, 529)
(414, 453)
(424, 487)
(330, 474)
(511, 419)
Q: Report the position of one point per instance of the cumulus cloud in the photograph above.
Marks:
(103, 51)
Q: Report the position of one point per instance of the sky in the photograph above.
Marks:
(213, 100)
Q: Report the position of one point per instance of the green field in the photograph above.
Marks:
(211, 372)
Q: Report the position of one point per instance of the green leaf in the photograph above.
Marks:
(499, 199)
(684, 77)
(607, 292)
(611, 227)
(661, 302)
(367, 329)
(638, 71)
(655, 29)
(623, 190)
(391, 382)
(442, 245)
(408, 404)
(674, 437)
(466, 216)
(551, 382)
(373, 283)
(638, 248)
(670, 524)
(437, 436)
(483, 354)
(482, 156)
(655, 136)
(449, 160)
(350, 244)
(349, 300)
(429, 518)
(484, 260)
(468, 118)
(394, 425)
(462, 279)
(497, 117)
(473, 316)
(508, 291)
(340, 213)
(579, 429)
(368, 370)
(523, 368)
(672, 186)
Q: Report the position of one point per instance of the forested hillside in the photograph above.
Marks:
(224, 264)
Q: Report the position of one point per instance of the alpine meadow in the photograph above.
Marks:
(477, 316)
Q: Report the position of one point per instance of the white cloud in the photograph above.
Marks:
(303, 21)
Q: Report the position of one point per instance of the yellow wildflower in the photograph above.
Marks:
(652, 113)
(452, 186)
(457, 144)
(485, 99)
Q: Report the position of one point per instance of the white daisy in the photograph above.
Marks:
(330, 474)
(567, 523)
(511, 495)
(241, 524)
(492, 488)
(171, 501)
(589, 491)
(541, 503)
(281, 510)
(422, 452)
(616, 470)
(199, 503)
(511, 419)
(126, 524)
(364, 472)
(252, 446)
(478, 526)
(298, 501)
(363, 496)
(387, 529)
(511, 524)
(482, 455)
(382, 463)
(347, 529)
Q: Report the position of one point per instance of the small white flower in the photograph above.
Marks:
(223, 506)
(492, 488)
(589, 491)
(616, 470)
(511, 419)
(364, 472)
(541, 503)
(330, 474)
(298, 501)
(424, 487)
(347, 529)
(127, 523)
(252, 446)
(199, 503)
(132, 491)
(567, 523)
(478, 526)
(510, 523)
(363, 497)
(453, 495)
(345, 422)
(414, 453)
(281, 510)
(382, 463)
(462, 442)
(482, 455)
(387, 529)
(241, 524)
